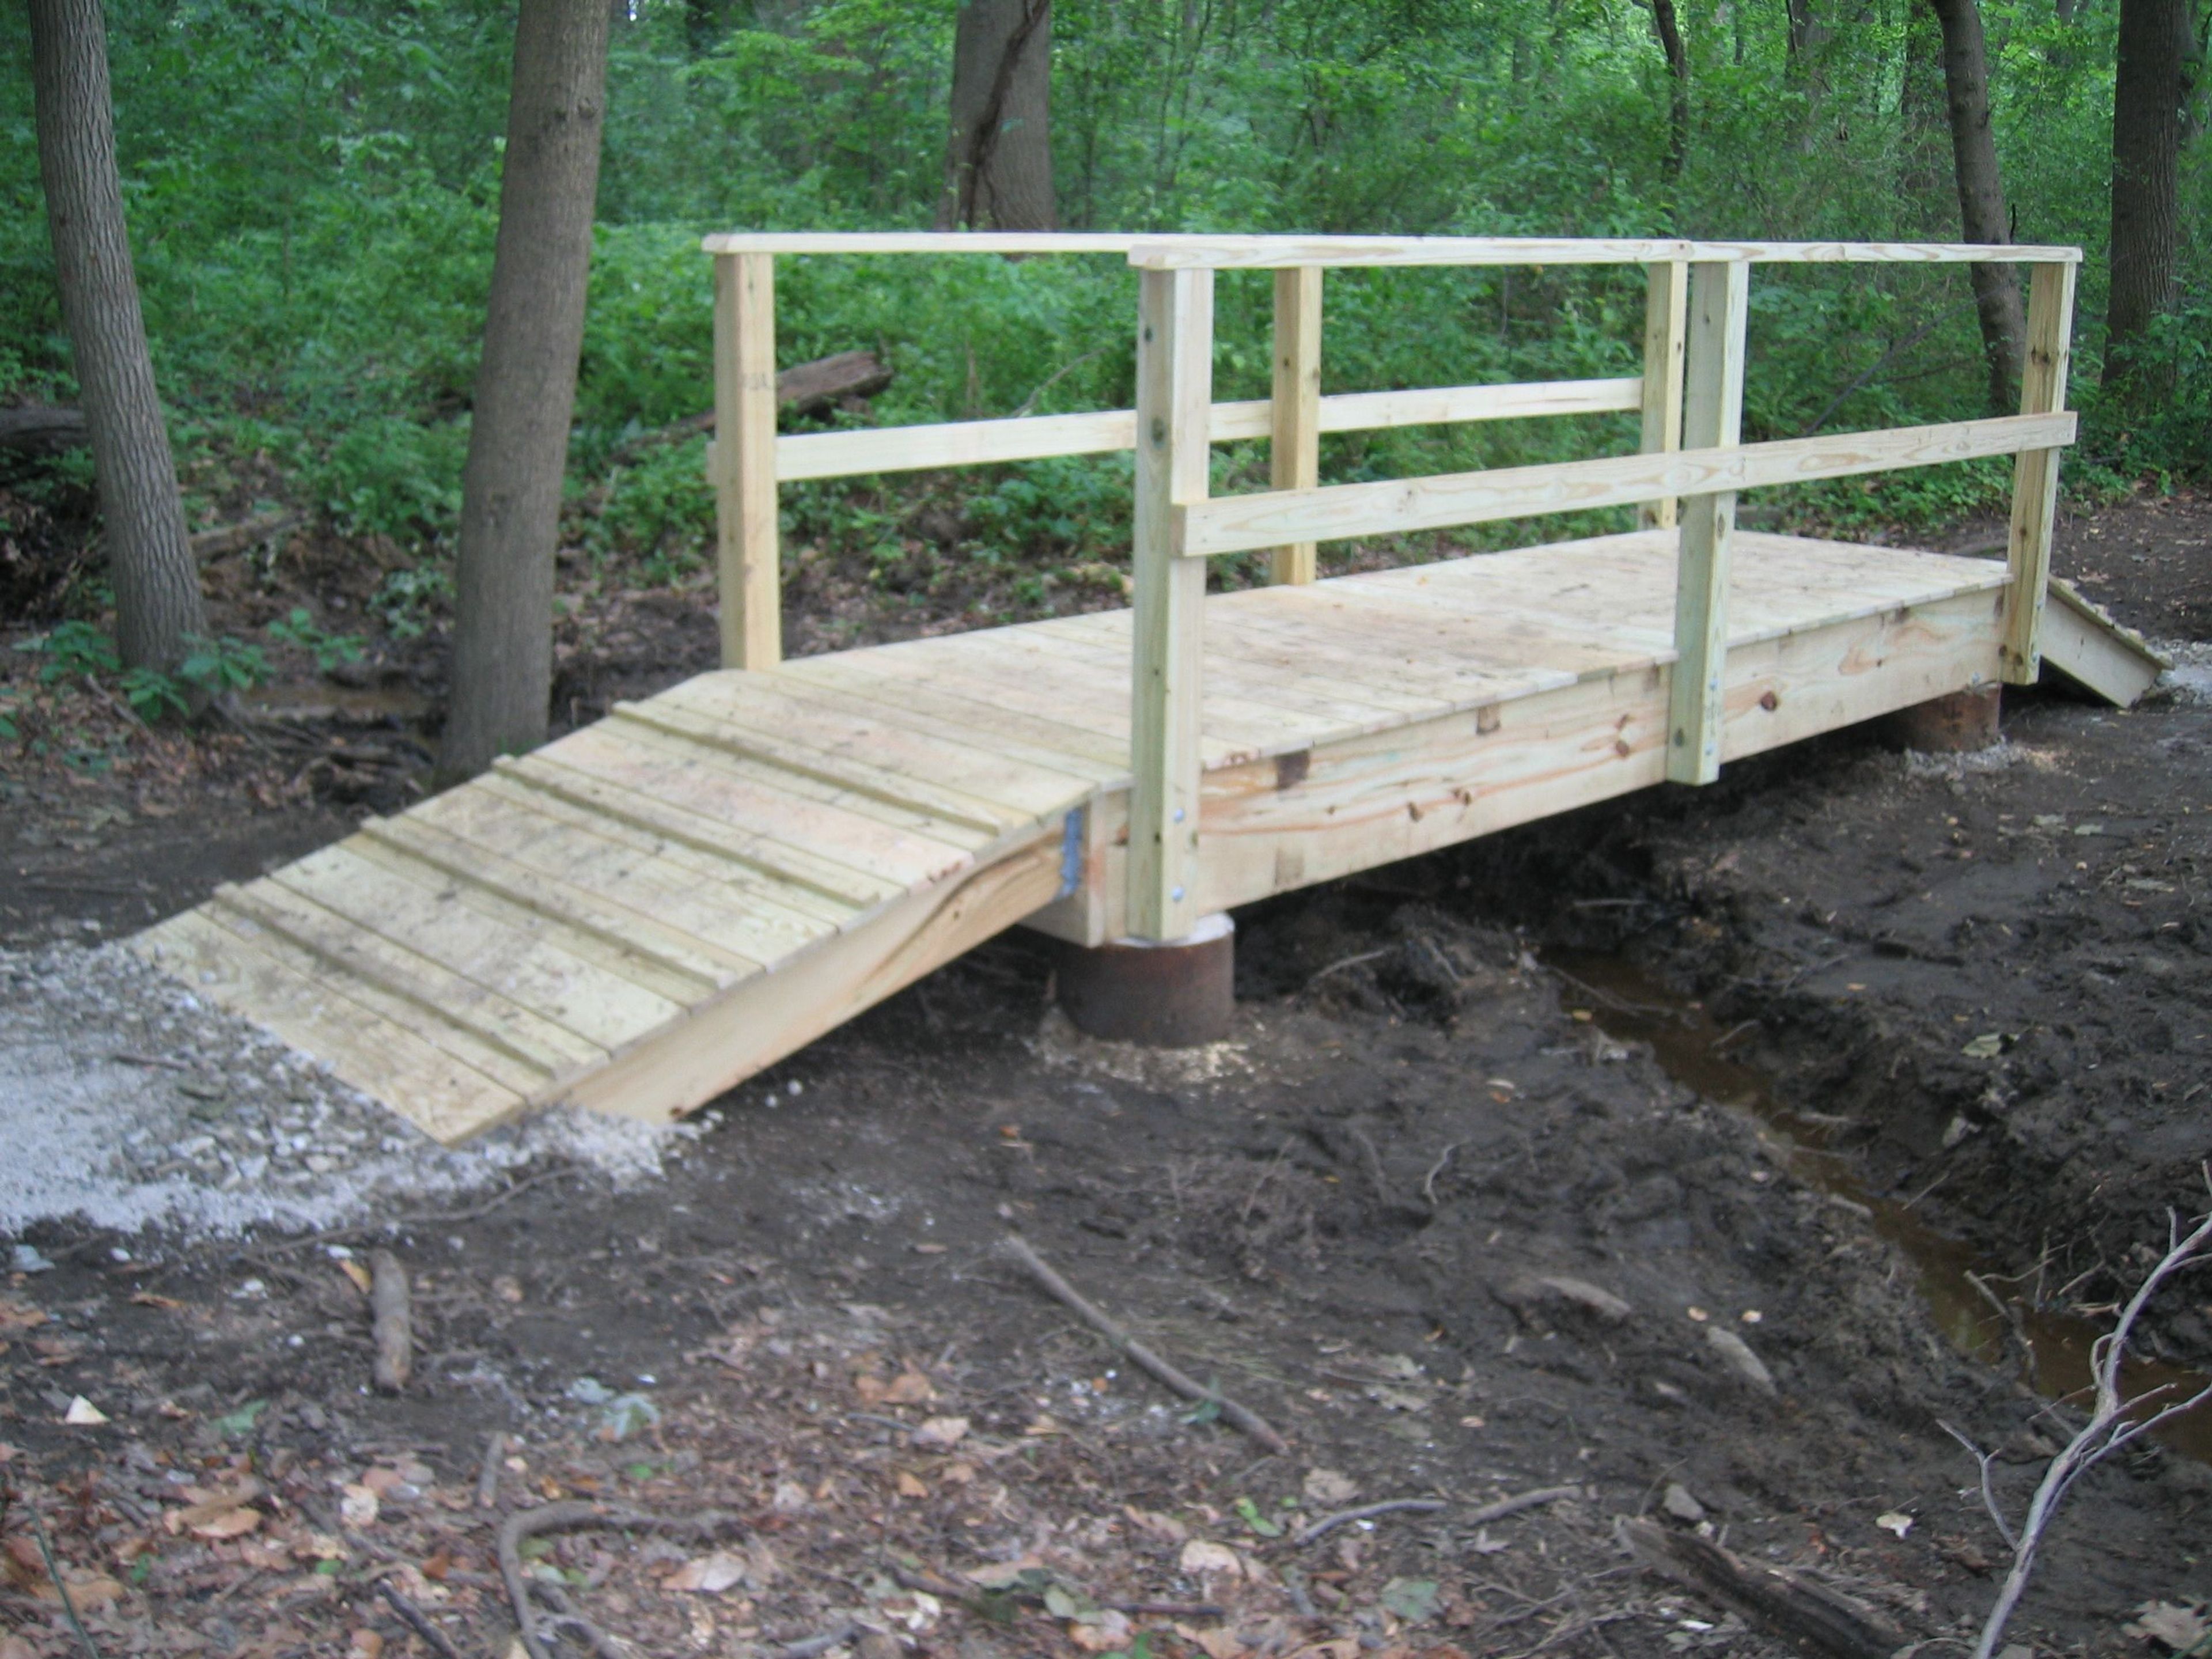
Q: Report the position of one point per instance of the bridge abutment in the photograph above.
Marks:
(1171, 993)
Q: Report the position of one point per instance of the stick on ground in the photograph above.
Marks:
(488, 1475)
(395, 1336)
(417, 1620)
(1187, 1387)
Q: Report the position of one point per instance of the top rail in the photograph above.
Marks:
(1152, 251)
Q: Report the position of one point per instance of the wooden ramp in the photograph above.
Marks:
(2083, 642)
(649, 910)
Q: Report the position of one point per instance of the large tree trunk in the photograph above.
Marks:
(1981, 195)
(997, 164)
(1677, 86)
(2150, 89)
(526, 387)
(157, 594)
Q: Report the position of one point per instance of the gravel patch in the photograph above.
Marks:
(128, 1102)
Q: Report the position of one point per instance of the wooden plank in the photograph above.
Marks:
(704, 865)
(1238, 524)
(1666, 312)
(836, 737)
(1294, 449)
(424, 992)
(2035, 472)
(529, 962)
(712, 727)
(442, 1096)
(677, 963)
(2087, 646)
(741, 463)
(1034, 437)
(722, 1043)
(1175, 380)
(725, 906)
(921, 241)
(1191, 252)
(1712, 418)
(688, 825)
(1043, 715)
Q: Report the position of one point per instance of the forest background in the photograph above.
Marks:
(312, 191)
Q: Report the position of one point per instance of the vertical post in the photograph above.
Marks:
(1294, 461)
(1174, 398)
(2035, 472)
(1666, 306)
(741, 461)
(1712, 418)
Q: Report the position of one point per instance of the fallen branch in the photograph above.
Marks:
(1802, 1610)
(812, 388)
(417, 1620)
(251, 533)
(567, 1517)
(1329, 1523)
(54, 1572)
(2112, 1425)
(836, 1637)
(394, 1329)
(1189, 1388)
(1520, 1501)
(488, 1475)
(43, 428)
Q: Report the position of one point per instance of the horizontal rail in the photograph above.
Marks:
(1275, 253)
(1237, 524)
(1169, 252)
(1038, 437)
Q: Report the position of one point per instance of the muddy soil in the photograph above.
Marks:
(1436, 1212)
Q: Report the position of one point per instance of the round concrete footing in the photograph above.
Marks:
(1173, 993)
(1949, 725)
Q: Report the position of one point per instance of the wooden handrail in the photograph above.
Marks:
(1237, 524)
(1039, 437)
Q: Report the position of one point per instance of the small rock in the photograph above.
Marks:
(1735, 1353)
(1679, 1502)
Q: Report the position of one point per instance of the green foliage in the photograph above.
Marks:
(406, 599)
(220, 665)
(72, 650)
(154, 696)
(300, 629)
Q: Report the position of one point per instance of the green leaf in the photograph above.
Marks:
(242, 1420)
(1257, 1522)
(1412, 1600)
(1988, 1046)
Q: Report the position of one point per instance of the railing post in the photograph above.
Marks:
(2035, 472)
(1175, 397)
(1712, 418)
(1666, 305)
(1294, 458)
(741, 461)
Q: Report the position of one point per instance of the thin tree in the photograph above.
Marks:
(157, 592)
(2151, 89)
(525, 385)
(1669, 30)
(1982, 210)
(998, 161)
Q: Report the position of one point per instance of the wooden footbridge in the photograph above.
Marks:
(645, 912)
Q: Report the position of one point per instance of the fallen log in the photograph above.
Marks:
(804, 389)
(43, 428)
(207, 544)
(1804, 1612)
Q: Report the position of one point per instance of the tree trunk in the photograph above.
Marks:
(2150, 87)
(1920, 108)
(1806, 48)
(1678, 87)
(997, 164)
(157, 594)
(1981, 196)
(525, 385)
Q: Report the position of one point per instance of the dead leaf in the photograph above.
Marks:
(148, 1299)
(209, 1506)
(1214, 1643)
(357, 1506)
(365, 1645)
(709, 1575)
(1203, 1558)
(15, 1647)
(19, 1315)
(357, 1274)
(1330, 1486)
(1160, 1526)
(1002, 1575)
(94, 1591)
(942, 1432)
(1110, 1632)
(2170, 1625)
(956, 1473)
(1041, 1426)
(232, 1523)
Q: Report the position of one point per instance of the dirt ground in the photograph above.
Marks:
(1503, 1138)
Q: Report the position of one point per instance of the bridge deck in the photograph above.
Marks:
(645, 912)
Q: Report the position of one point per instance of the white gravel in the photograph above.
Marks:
(229, 1128)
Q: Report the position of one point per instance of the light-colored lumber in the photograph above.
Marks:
(1712, 418)
(2087, 646)
(1035, 437)
(2035, 471)
(1666, 313)
(920, 242)
(741, 462)
(1175, 395)
(754, 1025)
(1237, 524)
(1294, 441)
(443, 1096)
(1274, 253)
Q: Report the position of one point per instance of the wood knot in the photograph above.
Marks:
(1770, 702)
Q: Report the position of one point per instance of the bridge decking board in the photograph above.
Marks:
(650, 908)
